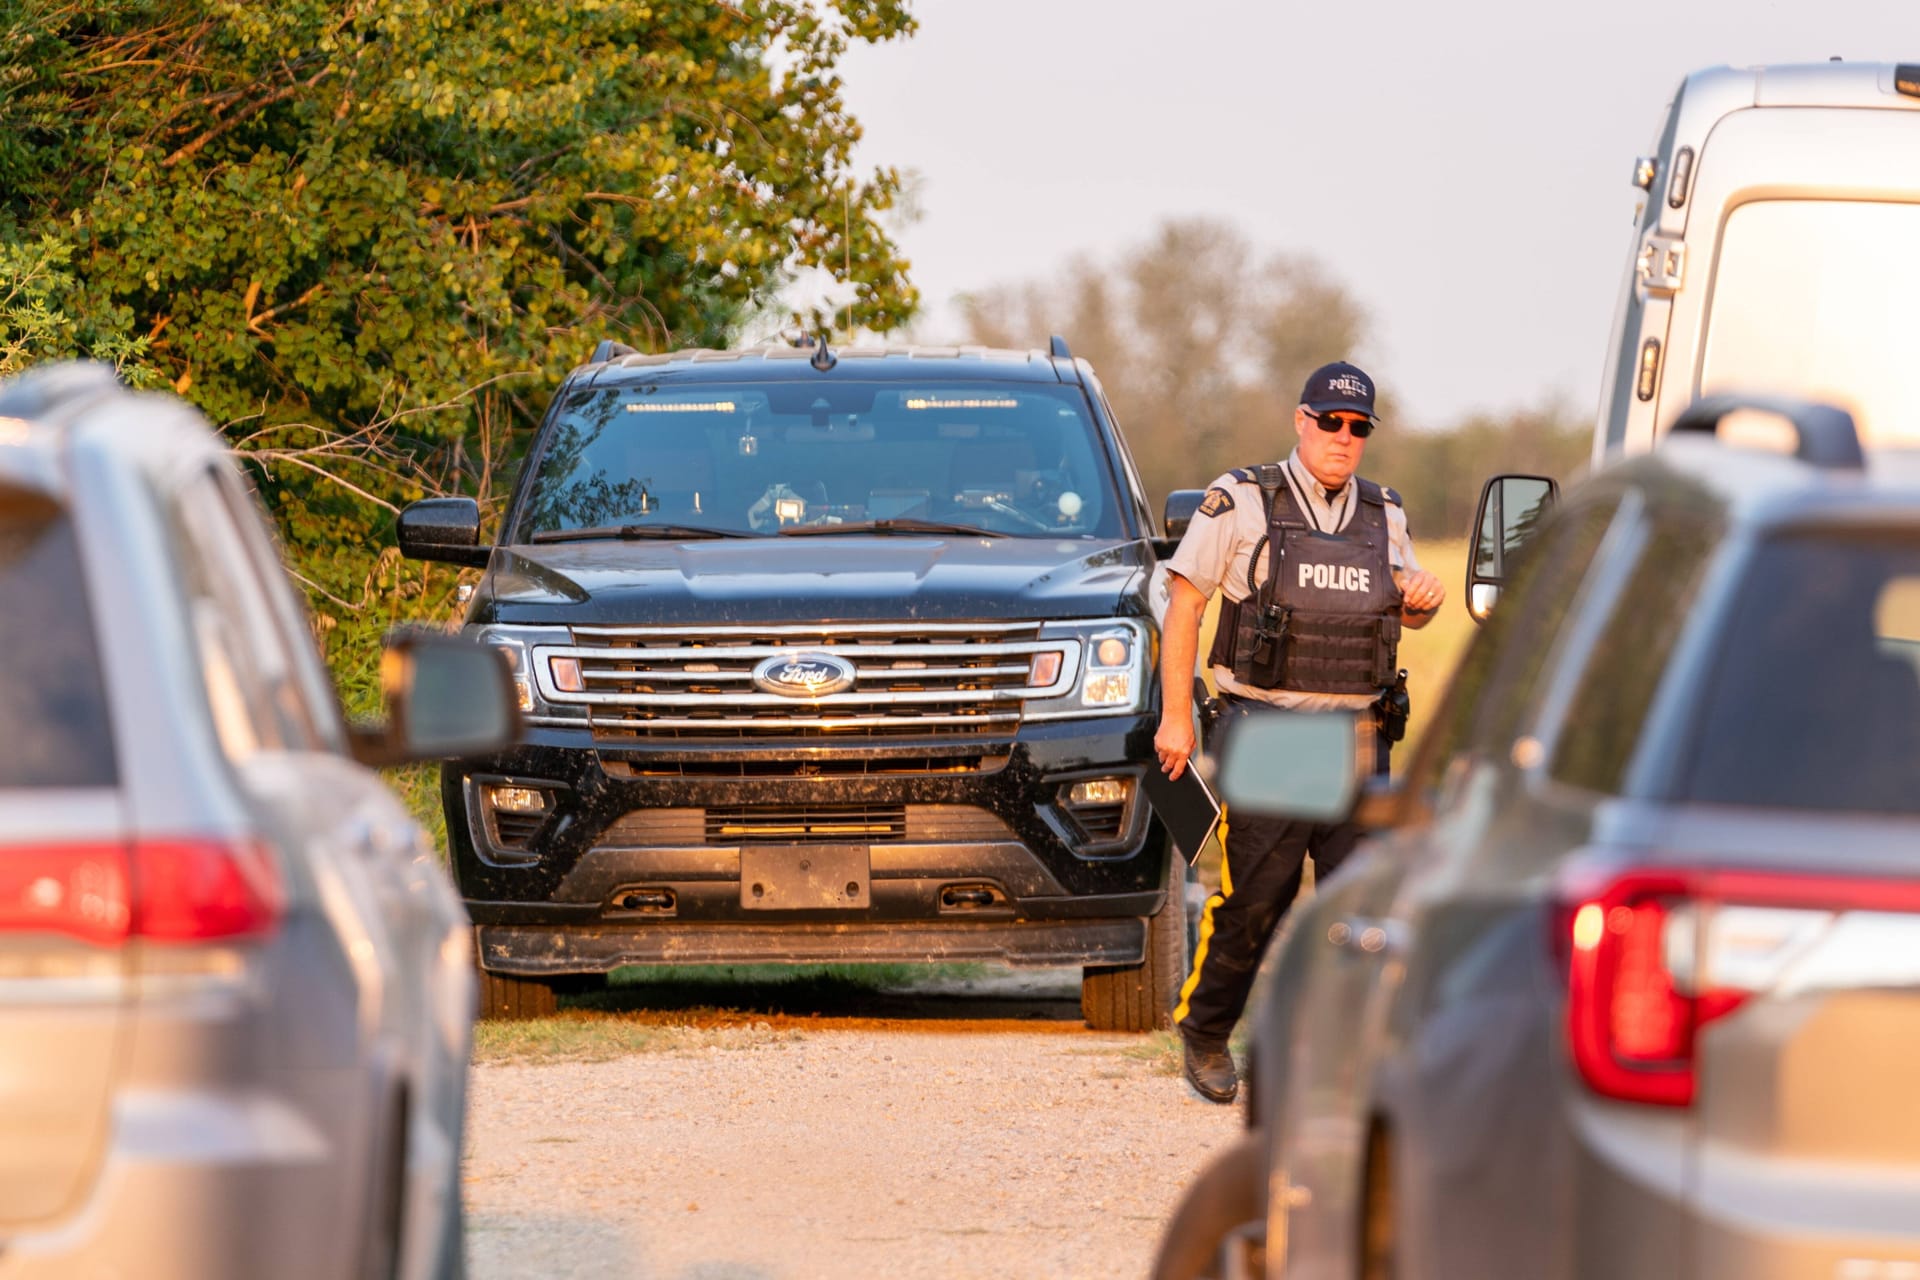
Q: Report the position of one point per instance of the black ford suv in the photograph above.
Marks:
(824, 657)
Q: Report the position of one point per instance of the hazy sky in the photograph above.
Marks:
(1463, 167)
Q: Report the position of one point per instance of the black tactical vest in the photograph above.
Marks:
(1327, 619)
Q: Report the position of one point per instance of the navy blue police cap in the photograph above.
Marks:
(1338, 386)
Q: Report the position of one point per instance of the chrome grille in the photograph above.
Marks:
(930, 679)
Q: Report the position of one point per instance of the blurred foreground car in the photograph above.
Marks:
(236, 986)
(1627, 981)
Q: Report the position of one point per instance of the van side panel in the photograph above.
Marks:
(1626, 422)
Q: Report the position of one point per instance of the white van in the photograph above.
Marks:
(1777, 250)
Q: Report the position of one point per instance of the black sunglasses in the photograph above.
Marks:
(1361, 427)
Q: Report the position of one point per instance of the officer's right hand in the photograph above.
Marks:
(1174, 744)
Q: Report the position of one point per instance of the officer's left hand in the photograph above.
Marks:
(1422, 591)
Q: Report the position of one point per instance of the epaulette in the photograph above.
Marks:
(1378, 494)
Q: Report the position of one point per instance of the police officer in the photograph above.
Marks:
(1317, 576)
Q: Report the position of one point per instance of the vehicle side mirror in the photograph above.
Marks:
(1305, 766)
(1511, 508)
(1181, 504)
(445, 696)
(446, 529)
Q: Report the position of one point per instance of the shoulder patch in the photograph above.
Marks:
(1217, 502)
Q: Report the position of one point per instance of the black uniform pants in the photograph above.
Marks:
(1259, 880)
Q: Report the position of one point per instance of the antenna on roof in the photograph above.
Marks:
(823, 358)
(846, 244)
(1057, 348)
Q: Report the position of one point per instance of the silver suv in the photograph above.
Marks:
(236, 985)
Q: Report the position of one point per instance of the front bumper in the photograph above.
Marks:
(545, 950)
(629, 864)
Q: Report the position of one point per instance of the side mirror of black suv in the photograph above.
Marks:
(1178, 514)
(446, 529)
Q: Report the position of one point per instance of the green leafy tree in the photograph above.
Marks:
(368, 236)
(36, 320)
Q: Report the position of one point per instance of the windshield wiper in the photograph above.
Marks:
(676, 532)
(905, 525)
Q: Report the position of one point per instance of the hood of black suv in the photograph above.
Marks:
(778, 579)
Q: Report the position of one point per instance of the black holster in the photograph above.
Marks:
(1208, 706)
(1392, 709)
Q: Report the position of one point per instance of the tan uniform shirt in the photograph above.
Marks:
(1219, 544)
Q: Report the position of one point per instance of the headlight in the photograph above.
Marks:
(1115, 664)
(525, 647)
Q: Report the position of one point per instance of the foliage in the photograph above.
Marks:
(1439, 473)
(1191, 333)
(36, 320)
(369, 238)
(1202, 346)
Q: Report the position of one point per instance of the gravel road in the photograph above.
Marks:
(937, 1143)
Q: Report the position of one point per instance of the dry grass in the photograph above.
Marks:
(672, 1008)
(576, 1035)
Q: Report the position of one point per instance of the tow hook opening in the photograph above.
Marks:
(971, 897)
(645, 900)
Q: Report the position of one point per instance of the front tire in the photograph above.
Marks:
(1229, 1193)
(1140, 997)
(1379, 1245)
(505, 997)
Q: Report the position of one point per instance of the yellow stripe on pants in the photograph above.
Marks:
(1206, 923)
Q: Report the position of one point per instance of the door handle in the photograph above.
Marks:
(1368, 936)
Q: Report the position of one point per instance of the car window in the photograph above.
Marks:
(1814, 702)
(312, 685)
(251, 686)
(1495, 681)
(1627, 661)
(53, 704)
(1022, 459)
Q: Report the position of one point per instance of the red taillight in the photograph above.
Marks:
(197, 891)
(1655, 955)
(159, 890)
(80, 890)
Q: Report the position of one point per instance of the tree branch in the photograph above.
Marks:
(243, 114)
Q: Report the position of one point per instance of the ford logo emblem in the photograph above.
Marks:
(804, 675)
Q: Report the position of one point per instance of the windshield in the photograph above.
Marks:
(1011, 458)
(1815, 702)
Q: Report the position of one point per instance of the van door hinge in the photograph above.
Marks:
(1663, 265)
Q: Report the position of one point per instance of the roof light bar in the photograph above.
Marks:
(687, 406)
(932, 402)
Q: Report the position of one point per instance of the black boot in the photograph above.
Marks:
(1208, 1067)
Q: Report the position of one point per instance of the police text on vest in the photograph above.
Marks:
(1336, 577)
